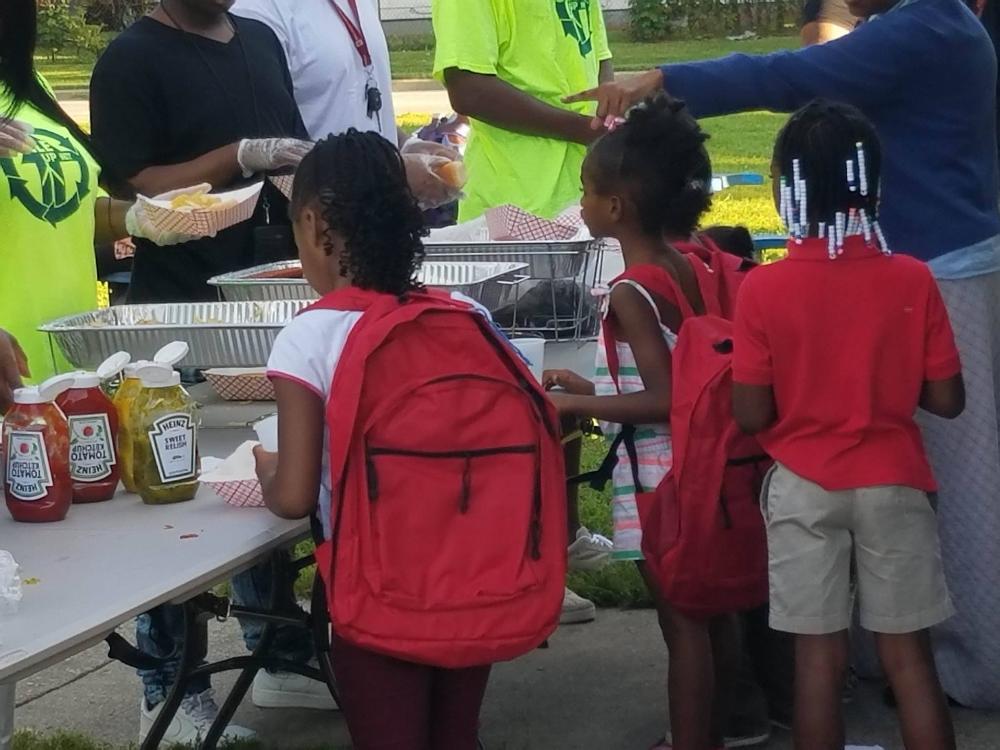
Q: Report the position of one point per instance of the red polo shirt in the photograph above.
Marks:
(847, 345)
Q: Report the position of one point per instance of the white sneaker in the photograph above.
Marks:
(589, 551)
(290, 690)
(576, 609)
(191, 722)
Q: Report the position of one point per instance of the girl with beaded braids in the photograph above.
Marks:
(835, 348)
(647, 185)
(356, 224)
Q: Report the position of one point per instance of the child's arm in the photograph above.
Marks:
(638, 325)
(944, 398)
(753, 407)
(943, 392)
(290, 478)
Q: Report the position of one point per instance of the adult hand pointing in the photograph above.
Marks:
(616, 98)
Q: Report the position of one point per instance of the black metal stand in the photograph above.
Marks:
(197, 612)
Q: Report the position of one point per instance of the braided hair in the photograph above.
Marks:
(359, 183)
(830, 161)
(658, 157)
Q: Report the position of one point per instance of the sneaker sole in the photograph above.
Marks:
(753, 741)
(285, 699)
(578, 616)
(735, 742)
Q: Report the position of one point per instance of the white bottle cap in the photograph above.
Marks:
(108, 369)
(169, 355)
(132, 369)
(172, 353)
(159, 376)
(45, 393)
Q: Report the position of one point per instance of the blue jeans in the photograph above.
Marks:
(160, 633)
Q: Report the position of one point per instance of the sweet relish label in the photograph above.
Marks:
(173, 439)
(28, 474)
(91, 449)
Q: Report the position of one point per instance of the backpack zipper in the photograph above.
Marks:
(371, 453)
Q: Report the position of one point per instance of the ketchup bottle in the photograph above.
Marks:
(93, 431)
(37, 484)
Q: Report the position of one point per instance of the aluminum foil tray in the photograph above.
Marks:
(546, 260)
(493, 284)
(220, 334)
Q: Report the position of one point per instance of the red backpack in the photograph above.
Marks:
(449, 508)
(727, 269)
(703, 535)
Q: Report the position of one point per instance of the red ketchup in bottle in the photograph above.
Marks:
(93, 432)
(37, 484)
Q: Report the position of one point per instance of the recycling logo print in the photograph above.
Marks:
(63, 177)
(575, 18)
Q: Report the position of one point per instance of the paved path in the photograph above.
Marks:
(599, 687)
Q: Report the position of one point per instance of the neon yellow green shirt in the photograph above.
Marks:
(545, 48)
(47, 266)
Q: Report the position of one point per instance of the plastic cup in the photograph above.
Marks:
(267, 433)
(533, 350)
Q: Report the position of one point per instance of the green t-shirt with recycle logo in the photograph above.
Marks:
(47, 266)
(546, 48)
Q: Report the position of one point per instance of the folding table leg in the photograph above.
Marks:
(193, 652)
(246, 678)
(6, 715)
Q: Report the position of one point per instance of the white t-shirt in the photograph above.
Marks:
(307, 352)
(327, 72)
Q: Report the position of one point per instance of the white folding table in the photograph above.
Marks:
(108, 562)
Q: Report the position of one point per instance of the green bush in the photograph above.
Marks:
(115, 15)
(63, 25)
(649, 20)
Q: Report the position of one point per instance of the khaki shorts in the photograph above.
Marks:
(812, 537)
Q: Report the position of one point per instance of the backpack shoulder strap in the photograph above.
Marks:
(656, 280)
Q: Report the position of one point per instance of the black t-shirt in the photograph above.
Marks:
(160, 96)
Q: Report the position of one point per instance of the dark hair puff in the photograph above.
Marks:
(658, 155)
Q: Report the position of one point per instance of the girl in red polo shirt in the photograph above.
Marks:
(835, 349)
(647, 184)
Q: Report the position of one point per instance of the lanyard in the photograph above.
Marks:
(355, 31)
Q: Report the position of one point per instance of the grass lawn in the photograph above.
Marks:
(66, 71)
(413, 57)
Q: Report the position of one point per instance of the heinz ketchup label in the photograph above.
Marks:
(29, 476)
(91, 447)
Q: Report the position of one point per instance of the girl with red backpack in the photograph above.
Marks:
(357, 224)
(647, 184)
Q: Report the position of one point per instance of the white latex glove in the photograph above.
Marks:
(418, 146)
(15, 137)
(138, 224)
(429, 189)
(270, 154)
